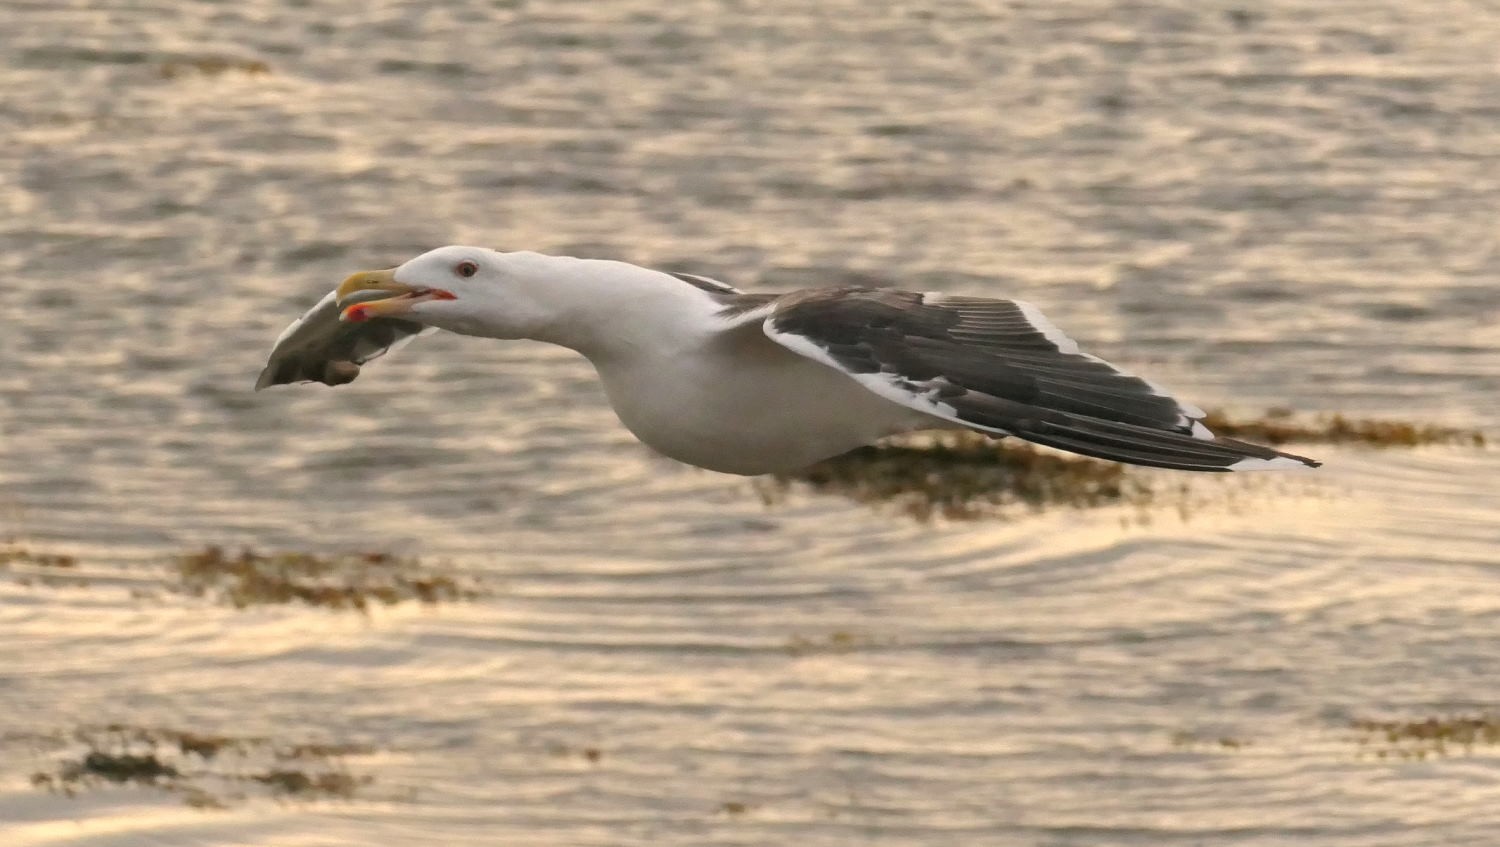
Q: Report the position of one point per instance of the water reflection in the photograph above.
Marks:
(1290, 205)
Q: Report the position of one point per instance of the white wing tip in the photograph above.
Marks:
(1049, 330)
(1280, 463)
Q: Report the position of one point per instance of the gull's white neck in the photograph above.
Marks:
(608, 310)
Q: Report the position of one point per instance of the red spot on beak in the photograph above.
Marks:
(358, 313)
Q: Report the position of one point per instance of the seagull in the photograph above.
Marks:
(748, 383)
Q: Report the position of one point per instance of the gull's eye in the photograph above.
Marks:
(466, 269)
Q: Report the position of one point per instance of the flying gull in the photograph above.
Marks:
(759, 383)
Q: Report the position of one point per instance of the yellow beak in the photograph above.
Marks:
(372, 281)
(396, 304)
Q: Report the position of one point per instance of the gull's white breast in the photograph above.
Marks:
(739, 403)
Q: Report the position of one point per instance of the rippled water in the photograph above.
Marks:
(1289, 203)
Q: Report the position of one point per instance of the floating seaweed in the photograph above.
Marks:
(29, 567)
(961, 475)
(350, 581)
(212, 66)
(248, 578)
(120, 768)
(562, 750)
(291, 782)
(202, 745)
(1193, 740)
(1417, 739)
(1401, 739)
(1281, 426)
(18, 555)
(203, 768)
(964, 474)
(838, 641)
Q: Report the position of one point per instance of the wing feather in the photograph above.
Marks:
(1001, 367)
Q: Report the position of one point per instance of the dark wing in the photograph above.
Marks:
(1001, 367)
(318, 347)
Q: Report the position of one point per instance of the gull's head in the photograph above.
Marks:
(458, 288)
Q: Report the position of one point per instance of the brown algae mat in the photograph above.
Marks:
(212, 66)
(29, 567)
(960, 475)
(15, 554)
(1422, 737)
(206, 770)
(965, 475)
(347, 581)
(838, 642)
(1395, 740)
(1280, 426)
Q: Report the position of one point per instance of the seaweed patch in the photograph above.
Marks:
(350, 581)
(1195, 741)
(212, 66)
(1397, 740)
(961, 475)
(836, 642)
(206, 770)
(17, 555)
(1281, 426)
(1420, 738)
(965, 475)
(27, 567)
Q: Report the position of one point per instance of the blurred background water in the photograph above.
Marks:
(1289, 203)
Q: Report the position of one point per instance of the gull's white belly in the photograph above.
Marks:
(758, 408)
